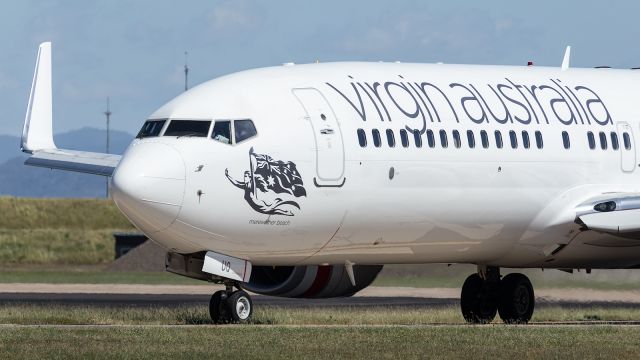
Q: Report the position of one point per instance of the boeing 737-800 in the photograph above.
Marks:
(304, 180)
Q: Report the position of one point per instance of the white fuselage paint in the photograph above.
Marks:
(506, 207)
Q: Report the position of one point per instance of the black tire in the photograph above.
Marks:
(239, 307)
(517, 300)
(217, 307)
(477, 302)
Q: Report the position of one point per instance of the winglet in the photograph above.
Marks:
(37, 133)
(565, 60)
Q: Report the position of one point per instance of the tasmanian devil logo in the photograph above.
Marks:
(270, 186)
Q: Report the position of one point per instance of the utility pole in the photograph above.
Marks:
(186, 72)
(107, 113)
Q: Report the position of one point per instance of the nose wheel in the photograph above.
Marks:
(228, 306)
(512, 297)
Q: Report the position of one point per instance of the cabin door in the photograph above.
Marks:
(329, 145)
(627, 147)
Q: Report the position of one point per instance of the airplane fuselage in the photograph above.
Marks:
(443, 201)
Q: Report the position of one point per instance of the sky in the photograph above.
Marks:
(133, 51)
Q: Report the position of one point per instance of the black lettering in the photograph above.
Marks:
(422, 87)
(472, 98)
(507, 115)
(411, 114)
(597, 100)
(559, 100)
(361, 111)
(521, 120)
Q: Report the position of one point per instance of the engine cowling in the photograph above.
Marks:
(323, 281)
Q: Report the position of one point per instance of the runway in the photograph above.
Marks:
(114, 295)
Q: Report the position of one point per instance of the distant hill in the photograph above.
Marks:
(19, 180)
(9, 147)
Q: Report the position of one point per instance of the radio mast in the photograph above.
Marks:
(107, 114)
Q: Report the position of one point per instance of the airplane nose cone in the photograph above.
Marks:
(148, 185)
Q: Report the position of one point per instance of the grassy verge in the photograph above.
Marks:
(58, 231)
(271, 315)
(26, 213)
(321, 343)
(56, 247)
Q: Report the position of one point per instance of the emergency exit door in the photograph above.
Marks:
(327, 135)
(627, 147)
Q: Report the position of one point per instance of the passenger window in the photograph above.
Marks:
(565, 140)
(603, 140)
(485, 139)
(539, 142)
(404, 138)
(592, 140)
(362, 138)
(525, 139)
(431, 139)
(614, 141)
(498, 135)
(151, 128)
(222, 131)
(195, 128)
(456, 139)
(391, 140)
(417, 138)
(514, 139)
(470, 139)
(376, 138)
(627, 141)
(244, 130)
(443, 139)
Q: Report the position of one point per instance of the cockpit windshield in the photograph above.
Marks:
(151, 128)
(197, 128)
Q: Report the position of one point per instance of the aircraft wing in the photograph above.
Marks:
(615, 213)
(37, 135)
(79, 161)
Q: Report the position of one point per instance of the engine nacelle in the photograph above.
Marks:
(324, 281)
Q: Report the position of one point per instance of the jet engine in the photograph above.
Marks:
(324, 281)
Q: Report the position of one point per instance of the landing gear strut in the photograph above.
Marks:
(228, 306)
(484, 294)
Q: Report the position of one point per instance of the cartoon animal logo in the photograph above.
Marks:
(271, 186)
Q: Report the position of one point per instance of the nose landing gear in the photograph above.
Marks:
(228, 306)
(485, 294)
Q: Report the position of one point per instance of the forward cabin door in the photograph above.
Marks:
(627, 147)
(328, 137)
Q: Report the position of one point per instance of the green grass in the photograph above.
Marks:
(274, 315)
(56, 247)
(58, 231)
(27, 213)
(250, 342)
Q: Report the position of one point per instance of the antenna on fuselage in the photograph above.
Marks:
(565, 60)
(186, 71)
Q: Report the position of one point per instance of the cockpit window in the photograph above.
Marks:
(151, 128)
(196, 128)
(222, 131)
(244, 130)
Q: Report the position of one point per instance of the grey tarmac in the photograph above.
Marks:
(179, 295)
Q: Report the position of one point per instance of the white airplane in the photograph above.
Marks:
(303, 180)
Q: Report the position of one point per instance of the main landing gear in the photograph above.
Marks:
(228, 306)
(484, 294)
